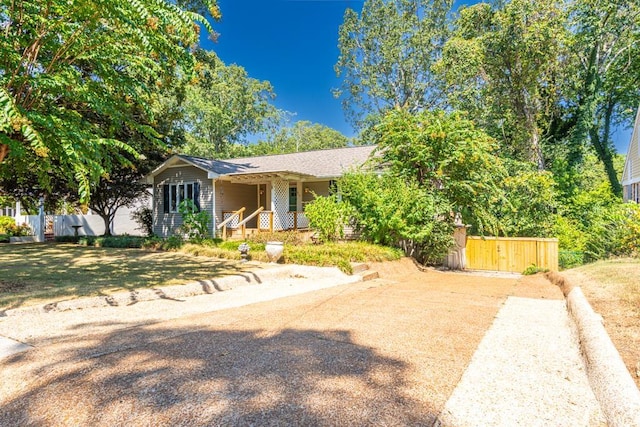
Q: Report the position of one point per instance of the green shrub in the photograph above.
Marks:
(173, 242)
(392, 211)
(327, 216)
(6, 223)
(195, 223)
(86, 240)
(534, 269)
(123, 241)
(67, 239)
(143, 216)
(9, 227)
(570, 259)
(4, 238)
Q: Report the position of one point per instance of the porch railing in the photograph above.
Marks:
(243, 223)
(234, 218)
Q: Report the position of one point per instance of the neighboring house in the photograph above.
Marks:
(279, 184)
(631, 172)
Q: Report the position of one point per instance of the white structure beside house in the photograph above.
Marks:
(261, 193)
(631, 172)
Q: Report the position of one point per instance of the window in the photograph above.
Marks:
(176, 193)
(293, 199)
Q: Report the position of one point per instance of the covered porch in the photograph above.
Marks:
(265, 202)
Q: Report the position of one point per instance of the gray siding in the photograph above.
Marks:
(165, 224)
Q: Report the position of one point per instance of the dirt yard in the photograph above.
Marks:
(389, 351)
(613, 290)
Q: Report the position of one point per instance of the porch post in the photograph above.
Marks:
(280, 203)
(300, 195)
(41, 221)
(213, 207)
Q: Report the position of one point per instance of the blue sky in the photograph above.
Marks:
(294, 45)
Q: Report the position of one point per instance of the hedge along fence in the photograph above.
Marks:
(512, 254)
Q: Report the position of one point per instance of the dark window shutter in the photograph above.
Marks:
(165, 198)
(196, 195)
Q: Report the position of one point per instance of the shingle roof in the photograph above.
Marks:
(320, 163)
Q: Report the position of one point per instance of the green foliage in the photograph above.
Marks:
(326, 255)
(570, 259)
(503, 65)
(68, 239)
(72, 74)
(339, 254)
(123, 241)
(386, 56)
(615, 232)
(389, 210)
(534, 269)
(327, 216)
(6, 222)
(143, 216)
(302, 136)
(447, 156)
(529, 206)
(9, 227)
(222, 106)
(195, 223)
(287, 237)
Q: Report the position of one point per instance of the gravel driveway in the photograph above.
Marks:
(385, 352)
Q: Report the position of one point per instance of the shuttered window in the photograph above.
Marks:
(173, 194)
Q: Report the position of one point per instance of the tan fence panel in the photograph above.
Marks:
(513, 254)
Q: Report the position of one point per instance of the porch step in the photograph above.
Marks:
(369, 275)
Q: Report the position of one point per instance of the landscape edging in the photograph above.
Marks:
(201, 287)
(609, 378)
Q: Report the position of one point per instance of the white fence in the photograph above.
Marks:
(87, 225)
(35, 222)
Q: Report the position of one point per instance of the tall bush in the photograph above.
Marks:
(390, 210)
(195, 222)
(143, 216)
(327, 216)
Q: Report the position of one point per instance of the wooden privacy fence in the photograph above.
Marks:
(512, 254)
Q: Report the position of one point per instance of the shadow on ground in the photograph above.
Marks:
(175, 376)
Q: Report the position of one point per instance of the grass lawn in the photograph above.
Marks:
(35, 273)
(613, 290)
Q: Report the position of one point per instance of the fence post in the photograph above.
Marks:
(40, 236)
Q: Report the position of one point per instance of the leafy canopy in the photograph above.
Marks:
(72, 73)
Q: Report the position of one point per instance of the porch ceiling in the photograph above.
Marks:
(258, 178)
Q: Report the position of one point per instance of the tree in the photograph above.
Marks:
(302, 136)
(124, 185)
(71, 73)
(222, 106)
(445, 154)
(504, 66)
(607, 73)
(386, 55)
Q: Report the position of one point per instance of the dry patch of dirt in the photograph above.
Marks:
(613, 290)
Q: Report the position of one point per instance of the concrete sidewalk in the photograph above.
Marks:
(408, 349)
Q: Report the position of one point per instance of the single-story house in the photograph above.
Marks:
(631, 172)
(260, 193)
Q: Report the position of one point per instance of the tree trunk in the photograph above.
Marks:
(606, 157)
(107, 224)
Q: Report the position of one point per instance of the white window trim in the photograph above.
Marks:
(178, 199)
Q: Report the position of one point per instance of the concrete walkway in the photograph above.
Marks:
(412, 348)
